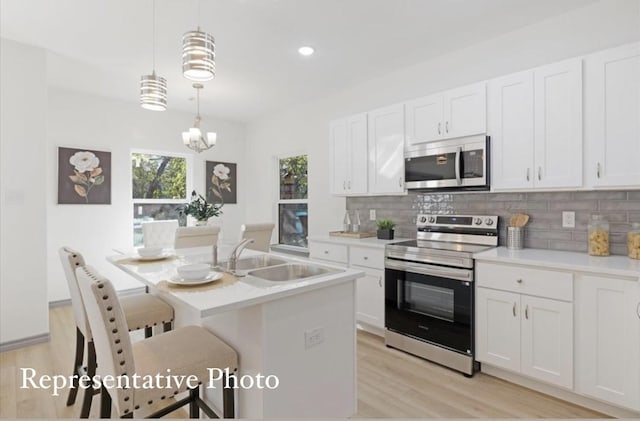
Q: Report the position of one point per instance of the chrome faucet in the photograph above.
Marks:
(235, 254)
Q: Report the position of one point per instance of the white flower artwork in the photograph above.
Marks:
(84, 177)
(221, 182)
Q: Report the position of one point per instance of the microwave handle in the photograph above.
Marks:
(458, 175)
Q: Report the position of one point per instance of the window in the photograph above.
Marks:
(159, 183)
(292, 201)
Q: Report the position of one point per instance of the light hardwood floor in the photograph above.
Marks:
(391, 384)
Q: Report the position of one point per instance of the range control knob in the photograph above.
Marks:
(488, 221)
(432, 219)
(423, 219)
(477, 221)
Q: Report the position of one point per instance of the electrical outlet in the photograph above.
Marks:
(372, 214)
(313, 337)
(568, 219)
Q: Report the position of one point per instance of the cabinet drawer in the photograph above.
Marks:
(367, 257)
(525, 280)
(332, 252)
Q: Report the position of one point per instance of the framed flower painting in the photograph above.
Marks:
(221, 182)
(84, 177)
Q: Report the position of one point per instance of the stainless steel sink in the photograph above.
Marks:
(255, 262)
(289, 272)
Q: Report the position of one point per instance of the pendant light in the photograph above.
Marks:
(153, 88)
(194, 138)
(198, 55)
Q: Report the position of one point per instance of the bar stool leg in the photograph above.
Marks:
(105, 403)
(194, 409)
(91, 372)
(228, 399)
(77, 363)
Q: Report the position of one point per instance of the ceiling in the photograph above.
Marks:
(104, 46)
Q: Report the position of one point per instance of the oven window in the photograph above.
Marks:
(429, 300)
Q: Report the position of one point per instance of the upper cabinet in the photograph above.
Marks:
(535, 124)
(455, 113)
(511, 130)
(612, 117)
(348, 145)
(386, 150)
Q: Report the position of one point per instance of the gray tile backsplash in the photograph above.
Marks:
(545, 209)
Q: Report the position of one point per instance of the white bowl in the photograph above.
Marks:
(194, 271)
(150, 251)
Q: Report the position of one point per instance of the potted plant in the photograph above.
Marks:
(200, 209)
(385, 229)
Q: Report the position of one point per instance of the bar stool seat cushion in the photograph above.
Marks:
(186, 351)
(145, 310)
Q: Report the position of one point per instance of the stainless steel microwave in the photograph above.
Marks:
(455, 164)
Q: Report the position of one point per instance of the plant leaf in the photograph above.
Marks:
(75, 179)
(96, 172)
(80, 175)
(80, 190)
(99, 180)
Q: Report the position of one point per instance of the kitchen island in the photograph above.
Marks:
(302, 331)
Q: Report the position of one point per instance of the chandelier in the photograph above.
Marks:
(194, 138)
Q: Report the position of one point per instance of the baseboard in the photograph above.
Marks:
(565, 395)
(123, 293)
(20, 343)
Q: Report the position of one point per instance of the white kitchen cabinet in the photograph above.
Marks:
(558, 124)
(535, 124)
(386, 150)
(424, 119)
(498, 328)
(454, 113)
(612, 117)
(608, 339)
(465, 110)
(547, 340)
(525, 321)
(370, 298)
(510, 103)
(348, 146)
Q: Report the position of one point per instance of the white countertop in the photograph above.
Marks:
(246, 292)
(582, 262)
(372, 242)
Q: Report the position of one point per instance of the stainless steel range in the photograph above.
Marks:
(429, 293)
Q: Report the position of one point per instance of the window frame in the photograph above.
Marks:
(279, 201)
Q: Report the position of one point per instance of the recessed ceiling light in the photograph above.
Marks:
(306, 51)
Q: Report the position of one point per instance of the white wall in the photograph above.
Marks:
(305, 127)
(23, 287)
(86, 121)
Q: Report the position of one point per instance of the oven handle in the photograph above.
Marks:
(458, 175)
(425, 269)
(399, 297)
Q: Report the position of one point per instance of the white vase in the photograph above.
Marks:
(201, 223)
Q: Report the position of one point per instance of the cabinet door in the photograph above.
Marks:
(547, 340)
(370, 299)
(357, 135)
(424, 120)
(612, 111)
(339, 156)
(558, 124)
(608, 339)
(465, 110)
(498, 328)
(511, 130)
(386, 150)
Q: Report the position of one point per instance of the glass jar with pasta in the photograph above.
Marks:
(598, 236)
(633, 241)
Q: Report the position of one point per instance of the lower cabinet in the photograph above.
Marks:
(370, 288)
(370, 298)
(530, 335)
(608, 339)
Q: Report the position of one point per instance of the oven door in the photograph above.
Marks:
(448, 164)
(431, 303)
